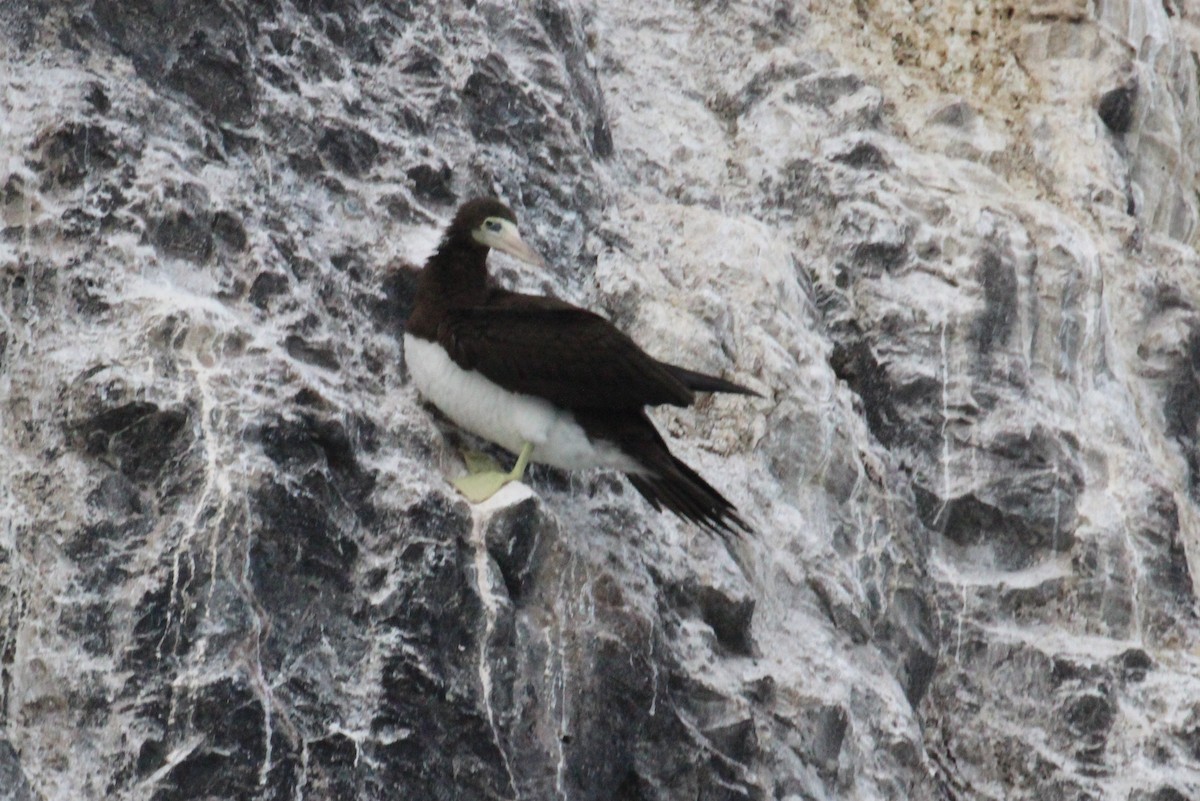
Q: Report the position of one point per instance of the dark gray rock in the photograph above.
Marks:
(1116, 107)
(267, 285)
(348, 150)
(498, 109)
(73, 152)
(13, 784)
(1164, 793)
(433, 183)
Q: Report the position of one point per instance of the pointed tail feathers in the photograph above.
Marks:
(699, 382)
(664, 481)
(676, 487)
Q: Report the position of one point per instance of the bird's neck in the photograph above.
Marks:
(455, 275)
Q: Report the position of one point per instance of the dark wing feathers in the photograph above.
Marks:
(571, 357)
(700, 382)
(578, 360)
(688, 495)
(667, 482)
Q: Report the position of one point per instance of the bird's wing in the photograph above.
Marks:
(571, 357)
(664, 480)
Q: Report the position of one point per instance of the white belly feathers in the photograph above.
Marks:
(506, 418)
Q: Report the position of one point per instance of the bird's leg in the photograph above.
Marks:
(480, 462)
(479, 486)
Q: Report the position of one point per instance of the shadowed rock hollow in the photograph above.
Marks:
(952, 244)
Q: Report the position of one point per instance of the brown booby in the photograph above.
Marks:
(548, 381)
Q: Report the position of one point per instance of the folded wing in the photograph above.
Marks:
(571, 357)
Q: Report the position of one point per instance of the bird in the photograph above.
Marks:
(548, 381)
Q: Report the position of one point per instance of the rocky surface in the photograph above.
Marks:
(951, 243)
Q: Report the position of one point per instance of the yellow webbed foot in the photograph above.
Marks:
(486, 478)
(478, 487)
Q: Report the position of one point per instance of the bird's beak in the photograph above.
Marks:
(508, 240)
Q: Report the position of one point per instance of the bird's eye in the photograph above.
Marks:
(493, 226)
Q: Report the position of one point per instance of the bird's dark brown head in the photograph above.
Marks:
(475, 212)
(485, 223)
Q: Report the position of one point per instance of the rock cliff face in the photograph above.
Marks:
(951, 243)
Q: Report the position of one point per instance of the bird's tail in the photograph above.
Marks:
(700, 382)
(664, 481)
(671, 484)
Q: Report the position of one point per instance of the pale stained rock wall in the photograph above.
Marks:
(952, 244)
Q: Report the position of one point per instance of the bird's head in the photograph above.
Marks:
(490, 223)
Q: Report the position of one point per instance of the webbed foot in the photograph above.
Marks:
(478, 487)
(486, 478)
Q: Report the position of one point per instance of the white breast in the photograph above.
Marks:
(506, 418)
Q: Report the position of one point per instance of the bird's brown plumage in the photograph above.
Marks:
(575, 359)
